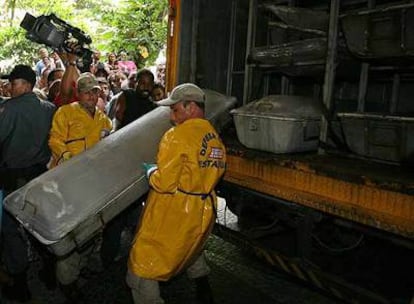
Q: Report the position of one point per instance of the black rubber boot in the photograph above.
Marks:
(48, 275)
(5, 278)
(203, 291)
(18, 290)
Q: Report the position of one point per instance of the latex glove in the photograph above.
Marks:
(116, 124)
(149, 168)
(65, 156)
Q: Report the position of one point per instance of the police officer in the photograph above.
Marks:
(25, 121)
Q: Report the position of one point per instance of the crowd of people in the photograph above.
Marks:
(53, 112)
(115, 73)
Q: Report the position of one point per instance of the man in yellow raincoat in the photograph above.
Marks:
(180, 210)
(76, 127)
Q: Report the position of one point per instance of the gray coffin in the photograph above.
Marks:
(279, 123)
(65, 207)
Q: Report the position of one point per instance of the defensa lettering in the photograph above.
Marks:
(204, 142)
(213, 154)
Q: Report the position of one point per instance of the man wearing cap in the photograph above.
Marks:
(180, 210)
(79, 125)
(25, 122)
(76, 127)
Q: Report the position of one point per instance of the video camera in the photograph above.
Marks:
(54, 32)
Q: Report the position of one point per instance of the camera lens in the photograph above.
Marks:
(28, 22)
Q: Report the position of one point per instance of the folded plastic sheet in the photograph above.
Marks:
(308, 50)
(299, 17)
(66, 206)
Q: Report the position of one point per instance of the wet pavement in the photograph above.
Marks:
(237, 276)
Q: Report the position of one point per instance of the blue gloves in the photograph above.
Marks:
(149, 168)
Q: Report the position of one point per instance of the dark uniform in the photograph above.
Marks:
(25, 122)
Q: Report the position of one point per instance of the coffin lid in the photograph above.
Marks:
(282, 106)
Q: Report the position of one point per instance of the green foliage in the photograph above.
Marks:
(139, 25)
(16, 47)
(130, 25)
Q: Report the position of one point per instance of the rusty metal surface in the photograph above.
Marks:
(361, 270)
(350, 169)
(377, 195)
(345, 292)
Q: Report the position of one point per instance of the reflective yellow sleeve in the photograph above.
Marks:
(58, 134)
(170, 160)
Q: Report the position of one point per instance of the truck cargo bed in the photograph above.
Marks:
(374, 194)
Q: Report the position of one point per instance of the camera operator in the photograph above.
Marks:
(67, 91)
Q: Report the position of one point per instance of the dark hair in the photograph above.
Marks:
(100, 66)
(143, 72)
(132, 75)
(51, 76)
(100, 70)
(102, 80)
(112, 53)
(158, 85)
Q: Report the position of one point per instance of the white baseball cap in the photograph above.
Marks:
(184, 92)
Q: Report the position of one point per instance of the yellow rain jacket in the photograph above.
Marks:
(74, 130)
(179, 212)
